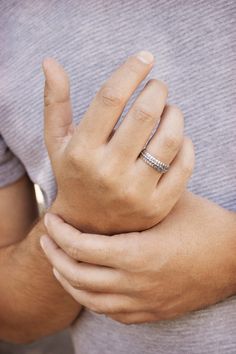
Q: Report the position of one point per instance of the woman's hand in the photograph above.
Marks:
(185, 263)
(103, 186)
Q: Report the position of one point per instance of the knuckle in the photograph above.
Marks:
(106, 177)
(106, 171)
(111, 96)
(143, 114)
(151, 210)
(73, 252)
(76, 156)
(161, 212)
(175, 111)
(158, 210)
(47, 100)
(73, 155)
(172, 141)
(51, 99)
(130, 198)
(75, 281)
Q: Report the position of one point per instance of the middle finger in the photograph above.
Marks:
(108, 104)
(133, 133)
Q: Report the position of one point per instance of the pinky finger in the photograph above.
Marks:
(171, 185)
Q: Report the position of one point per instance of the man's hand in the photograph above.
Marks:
(185, 263)
(102, 185)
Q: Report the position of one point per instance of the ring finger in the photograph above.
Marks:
(164, 145)
(136, 128)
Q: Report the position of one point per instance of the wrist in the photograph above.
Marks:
(70, 215)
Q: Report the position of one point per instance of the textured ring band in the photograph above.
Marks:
(158, 165)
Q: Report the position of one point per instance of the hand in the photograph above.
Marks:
(102, 185)
(184, 263)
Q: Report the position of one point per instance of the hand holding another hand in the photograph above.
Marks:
(185, 263)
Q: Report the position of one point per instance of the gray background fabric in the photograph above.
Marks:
(194, 45)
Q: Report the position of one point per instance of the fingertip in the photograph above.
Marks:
(51, 219)
(46, 66)
(44, 242)
(48, 62)
(54, 72)
(48, 244)
(145, 56)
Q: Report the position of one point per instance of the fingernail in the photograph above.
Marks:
(46, 220)
(145, 56)
(56, 273)
(44, 242)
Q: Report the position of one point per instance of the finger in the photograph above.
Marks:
(110, 100)
(135, 130)
(85, 276)
(173, 183)
(115, 251)
(99, 302)
(134, 317)
(56, 256)
(57, 105)
(164, 145)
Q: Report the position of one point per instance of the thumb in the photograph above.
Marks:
(57, 105)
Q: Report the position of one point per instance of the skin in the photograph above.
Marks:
(18, 210)
(184, 263)
(175, 267)
(113, 189)
(33, 303)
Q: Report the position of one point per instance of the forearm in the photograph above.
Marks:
(32, 303)
(213, 227)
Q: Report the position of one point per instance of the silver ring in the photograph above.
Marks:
(158, 165)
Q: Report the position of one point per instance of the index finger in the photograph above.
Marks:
(109, 102)
(109, 251)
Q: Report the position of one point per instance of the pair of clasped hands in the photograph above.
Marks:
(138, 274)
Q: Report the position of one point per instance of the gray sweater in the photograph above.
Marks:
(194, 45)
